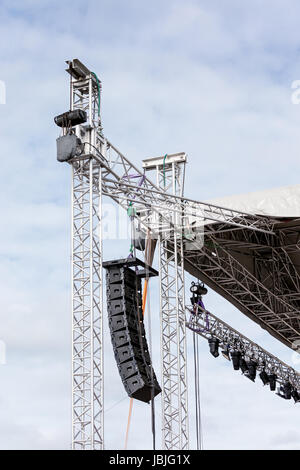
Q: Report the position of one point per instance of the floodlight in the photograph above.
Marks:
(236, 359)
(251, 373)
(226, 352)
(243, 365)
(295, 396)
(264, 377)
(197, 290)
(71, 118)
(287, 390)
(272, 380)
(214, 346)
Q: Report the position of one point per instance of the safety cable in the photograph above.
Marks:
(152, 372)
(148, 259)
(132, 252)
(115, 404)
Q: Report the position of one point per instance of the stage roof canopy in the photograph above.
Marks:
(257, 272)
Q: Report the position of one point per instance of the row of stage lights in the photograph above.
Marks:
(240, 360)
(249, 368)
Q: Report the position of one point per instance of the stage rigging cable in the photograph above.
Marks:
(148, 259)
(199, 432)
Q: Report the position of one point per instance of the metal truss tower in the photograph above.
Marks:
(99, 169)
(87, 309)
(170, 171)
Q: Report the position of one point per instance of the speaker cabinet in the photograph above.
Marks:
(125, 317)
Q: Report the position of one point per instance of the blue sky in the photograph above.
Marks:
(209, 78)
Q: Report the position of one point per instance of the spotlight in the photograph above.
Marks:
(226, 352)
(243, 365)
(214, 346)
(264, 377)
(295, 396)
(272, 380)
(280, 392)
(251, 373)
(287, 391)
(197, 290)
(71, 118)
(236, 359)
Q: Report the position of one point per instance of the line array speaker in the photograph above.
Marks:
(125, 316)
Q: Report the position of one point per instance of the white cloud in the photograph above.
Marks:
(209, 80)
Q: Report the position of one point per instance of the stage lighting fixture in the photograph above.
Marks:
(197, 290)
(264, 377)
(243, 365)
(236, 359)
(214, 346)
(295, 396)
(280, 392)
(251, 373)
(71, 118)
(272, 380)
(287, 391)
(226, 352)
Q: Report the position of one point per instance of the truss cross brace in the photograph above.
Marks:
(175, 427)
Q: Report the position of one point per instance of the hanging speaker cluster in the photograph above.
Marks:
(125, 316)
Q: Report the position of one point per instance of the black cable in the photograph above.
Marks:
(196, 392)
(152, 374)
(199, 435)
(97, 150)
(140, 322)
(199, 396)
(153, 412)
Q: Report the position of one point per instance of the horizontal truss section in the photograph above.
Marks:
(125, 183)
(208, 325)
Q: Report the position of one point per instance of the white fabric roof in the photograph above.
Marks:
(277, 202)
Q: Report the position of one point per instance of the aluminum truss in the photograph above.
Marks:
(124, 183)
(175, 425)
(87, 309)
(87, 382)
(101, 169)
(208, 325)
(256, 273)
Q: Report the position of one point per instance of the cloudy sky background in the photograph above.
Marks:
(209, 78)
